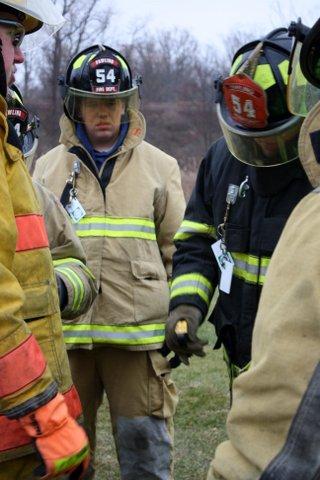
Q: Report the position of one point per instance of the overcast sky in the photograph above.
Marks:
(211, 20)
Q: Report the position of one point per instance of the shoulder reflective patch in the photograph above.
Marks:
(32, 232)
(299, 458)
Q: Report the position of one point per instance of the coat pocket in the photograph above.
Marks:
(150, 291)
(163, 394)
(39, 301)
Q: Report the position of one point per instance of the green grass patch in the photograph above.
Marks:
(199, 421)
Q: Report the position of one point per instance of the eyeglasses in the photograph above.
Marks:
(15, 30)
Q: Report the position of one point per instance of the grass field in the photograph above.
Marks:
(199, 421)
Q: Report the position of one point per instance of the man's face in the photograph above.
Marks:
(102, 120)
(11, 54)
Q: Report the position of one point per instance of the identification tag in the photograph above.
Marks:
(226, 264)
(75, 210)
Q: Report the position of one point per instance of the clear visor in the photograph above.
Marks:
(266, 148)
(39, 13)
(31, 43)
(44, 11)
(107, 110)
(29, 144)
(301, 95)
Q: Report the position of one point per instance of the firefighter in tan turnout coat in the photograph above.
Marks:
(125, 199)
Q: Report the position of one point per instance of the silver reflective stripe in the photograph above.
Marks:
(113, 335)
(250, 268)
(253, 269)
(112, 227)
(191, 283)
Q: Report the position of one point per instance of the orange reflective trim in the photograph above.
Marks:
(32, 232)
(21, 366)
(12, 435)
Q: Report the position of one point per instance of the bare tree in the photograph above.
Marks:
(87, 22)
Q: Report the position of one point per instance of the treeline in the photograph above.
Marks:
(177, 93)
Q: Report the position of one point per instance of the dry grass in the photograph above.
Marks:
(199, 421)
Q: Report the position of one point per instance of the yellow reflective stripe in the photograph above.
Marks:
(122, 62)
(236, 64)
(250, 268)
(251, 259)
(118, 335)
(67, 462)
(192, 284)
(78, 288)
(264, 76)
(283, 67)
(65, 261)
(189, 228)
(121, 234)
(117, 221)
(247, 276)
(79, 62)
(116, 227)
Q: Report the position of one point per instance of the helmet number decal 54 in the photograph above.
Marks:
(247, 107)
(102, 76)
(245, 101)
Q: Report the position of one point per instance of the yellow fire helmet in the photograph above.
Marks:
(32, 14)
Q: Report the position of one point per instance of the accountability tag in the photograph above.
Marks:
(226, 265)
(75, 210)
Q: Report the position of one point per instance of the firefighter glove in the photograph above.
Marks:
(181, 332)
(62, 444)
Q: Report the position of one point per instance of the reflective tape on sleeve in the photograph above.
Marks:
(21, 366)
(116, 227)
(76, 284)
(192, 284)
(75, 261)
(32, 232)
(189, 228)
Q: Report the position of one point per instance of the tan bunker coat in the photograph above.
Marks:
(127, 233)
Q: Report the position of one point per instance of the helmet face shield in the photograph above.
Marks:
(40, 16)
(301, 94)
(262, 148)
(37, 13)
(99, 92)
(310, 55)
(111, 109)
(252, 108)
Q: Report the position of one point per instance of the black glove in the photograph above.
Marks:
(185, 344)
(174, 361)
(62, 292)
